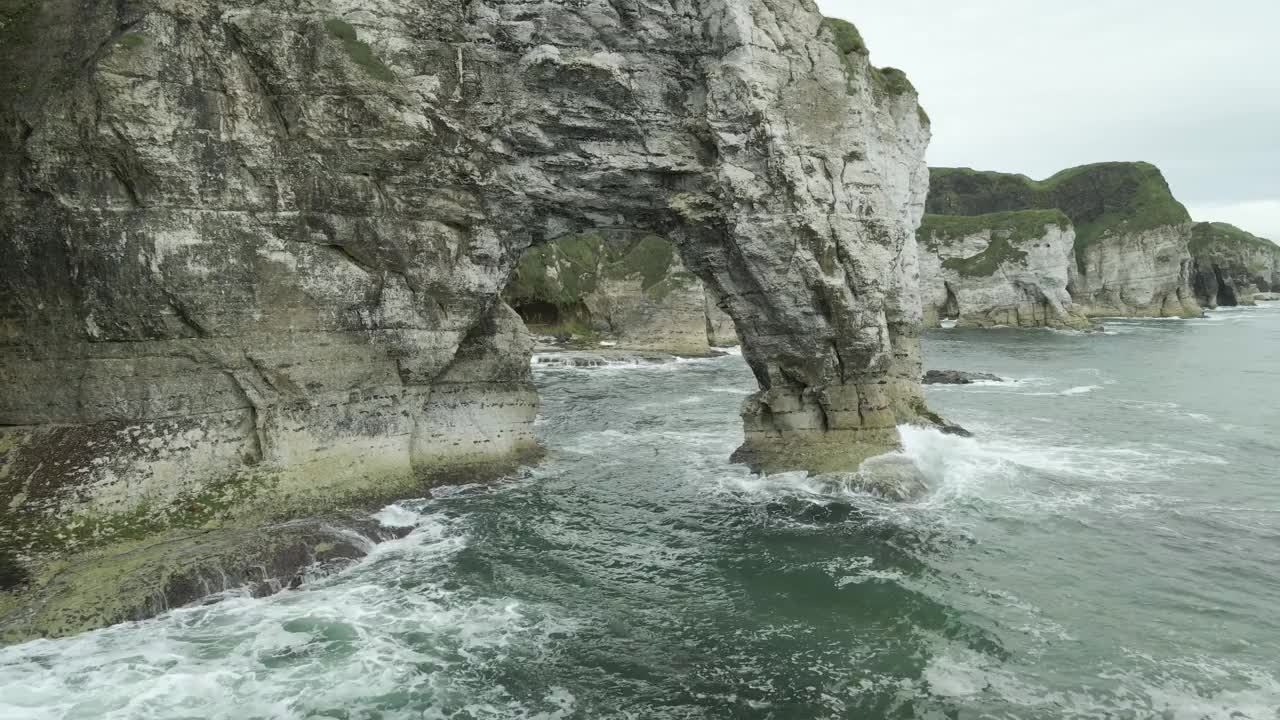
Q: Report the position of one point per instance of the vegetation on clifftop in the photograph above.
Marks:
(1206, 237)
(1017, 225)
(846, 35)
(885, 81)
(1100, 199)
(1006, 231)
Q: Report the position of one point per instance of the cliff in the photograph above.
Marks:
(1231, 266)
(1131, 234)
(1007, 268)
(254, 250)
(629, 289)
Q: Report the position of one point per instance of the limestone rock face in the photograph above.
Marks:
(254, 249)
(624, 288)
(1231, 266)
(1131, 235)
(1144, 274)
(720, 329)
(1001, 269)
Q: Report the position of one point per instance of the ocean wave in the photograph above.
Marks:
(353, 639)
(1189, 688)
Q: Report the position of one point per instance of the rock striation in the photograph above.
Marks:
(254, 250)
(1131, 234)
(999, 269)
(624, 288)
(1231, 266)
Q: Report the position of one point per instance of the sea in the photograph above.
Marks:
(1105, 545)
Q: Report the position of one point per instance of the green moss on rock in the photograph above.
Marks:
(1006, 231)
(1018, 225)
(846, 36)
(885, 82)
(891, 81)
(1100, 199)
(131, 41)
(359, 52)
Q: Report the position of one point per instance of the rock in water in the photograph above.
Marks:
(1130, 247)
(1231, 266)
(957, 377)
(254, 250)
(891, 476)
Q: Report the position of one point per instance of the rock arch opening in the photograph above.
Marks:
(325, 313)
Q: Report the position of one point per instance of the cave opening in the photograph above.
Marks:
(951, 309)
(548, 318)
(1226, 293)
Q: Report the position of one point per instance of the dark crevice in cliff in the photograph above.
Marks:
(1226, 295)
(256, 436)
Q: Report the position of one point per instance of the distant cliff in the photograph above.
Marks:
(1231, 265)
(1131, 234)
(998, 269)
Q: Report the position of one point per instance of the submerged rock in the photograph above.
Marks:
(143, 579)
(1130, 246)
(957, 377)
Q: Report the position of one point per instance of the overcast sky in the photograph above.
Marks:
(1034, 86)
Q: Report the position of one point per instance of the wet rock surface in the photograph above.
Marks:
(958, 377)
(143, 579)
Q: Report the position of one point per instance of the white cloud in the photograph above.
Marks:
(1260, 217)
(1035, 86)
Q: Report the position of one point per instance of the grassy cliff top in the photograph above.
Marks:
(1100, 199)
(1208, 236)
(1016, 225)
(885, 81)
(1006, 232)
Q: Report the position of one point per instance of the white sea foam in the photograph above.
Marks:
(352, 640)
(1080, 390)
(1168, 688)
(397, 516)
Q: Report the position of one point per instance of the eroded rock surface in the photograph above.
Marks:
(1002, 269)
(254, 250)
(1131, 234)
(624, 288)
(1231, 266)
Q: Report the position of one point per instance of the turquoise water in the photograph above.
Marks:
(1106, 546)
